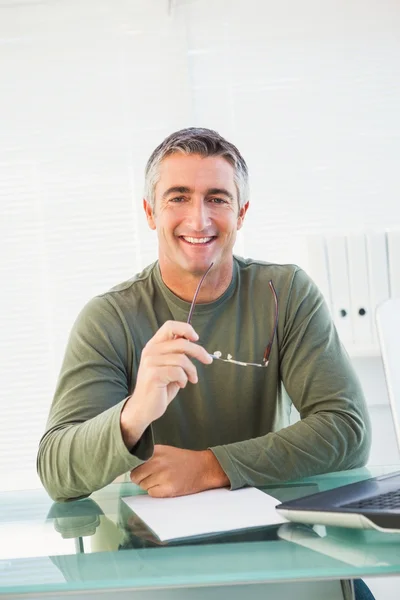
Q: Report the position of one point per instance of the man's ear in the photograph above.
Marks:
(149, 214)
(242, 213)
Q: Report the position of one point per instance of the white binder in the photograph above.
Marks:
(318, 265)
(361, 312)
(393, 242)
(378, 272)
(339, 284)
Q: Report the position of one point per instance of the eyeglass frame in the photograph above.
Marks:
(268, 349)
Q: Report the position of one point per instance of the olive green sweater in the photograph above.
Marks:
(240, 413)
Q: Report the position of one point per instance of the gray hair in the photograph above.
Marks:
(202, 141)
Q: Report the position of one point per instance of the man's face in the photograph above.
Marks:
(196, 212)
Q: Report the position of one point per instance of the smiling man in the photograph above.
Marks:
(188, 407)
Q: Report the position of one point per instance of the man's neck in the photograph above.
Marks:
(184, 284)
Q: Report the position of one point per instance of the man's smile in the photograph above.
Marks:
(198, 241)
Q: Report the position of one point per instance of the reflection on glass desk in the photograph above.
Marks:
(99, 544)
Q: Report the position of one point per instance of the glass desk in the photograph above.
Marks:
(96, 547)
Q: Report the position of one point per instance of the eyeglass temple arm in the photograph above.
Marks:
(196, 294)
(269, 347)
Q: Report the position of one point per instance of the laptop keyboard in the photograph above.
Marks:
(387, 501)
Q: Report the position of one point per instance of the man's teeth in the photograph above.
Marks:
(191, 240)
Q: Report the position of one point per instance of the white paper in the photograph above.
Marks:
(212, 511)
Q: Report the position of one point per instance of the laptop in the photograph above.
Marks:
(373, 503)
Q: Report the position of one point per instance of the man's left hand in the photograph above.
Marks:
(175, 472)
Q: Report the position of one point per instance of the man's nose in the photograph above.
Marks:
(199, 217)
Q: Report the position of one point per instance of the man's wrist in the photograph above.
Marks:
(215, 476)
(132, 425)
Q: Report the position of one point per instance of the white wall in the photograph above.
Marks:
(309, 91)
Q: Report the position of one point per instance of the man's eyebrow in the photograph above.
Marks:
(179, 189)
(176, 189)
(217, 191)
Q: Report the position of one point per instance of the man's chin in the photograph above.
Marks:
(198, 268)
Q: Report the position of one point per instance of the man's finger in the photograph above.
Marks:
(149, 482)
(175, 329)
(137, 475)
(161, 491)
(179, 346)
(176, 375)
(170, 363)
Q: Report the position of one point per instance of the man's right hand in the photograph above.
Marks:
(165, 368)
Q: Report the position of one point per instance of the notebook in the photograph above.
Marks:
(205, 513)
(375, 502)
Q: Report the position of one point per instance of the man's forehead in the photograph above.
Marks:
(193, 169)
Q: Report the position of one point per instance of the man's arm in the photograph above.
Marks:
(334, 432)
(97, 429)
(82, 448)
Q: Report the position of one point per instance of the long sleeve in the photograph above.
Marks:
(334, 431)
(82, 449)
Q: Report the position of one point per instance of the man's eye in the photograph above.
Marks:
(177, 199)
(218, 200)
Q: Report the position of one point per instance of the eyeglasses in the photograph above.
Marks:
(229, 359)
